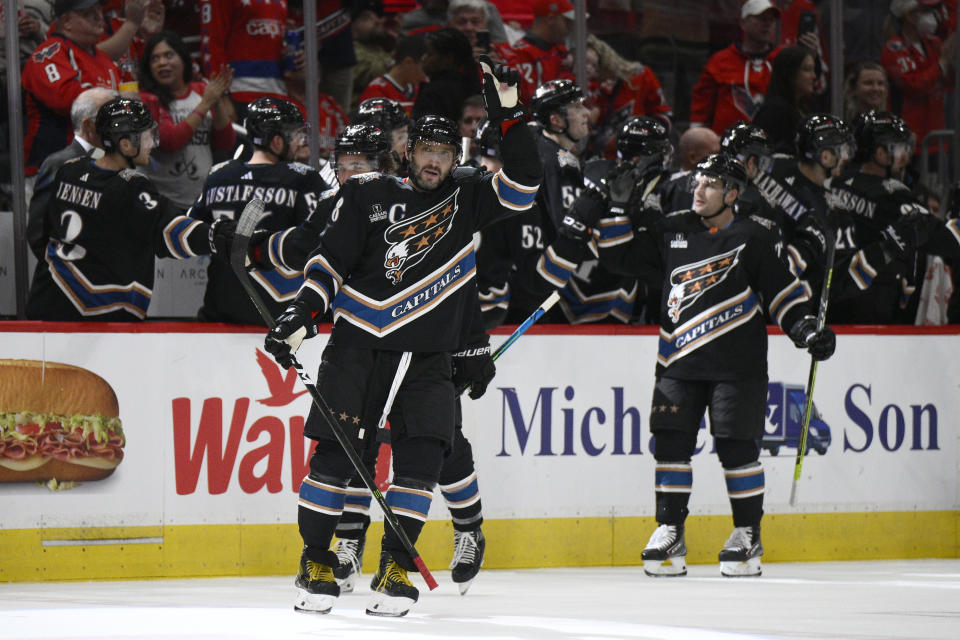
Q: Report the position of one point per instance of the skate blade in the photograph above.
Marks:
(671, 567)
(464, 586)
(389, 606)
(313, 603)
(348, 584)
(748, 569)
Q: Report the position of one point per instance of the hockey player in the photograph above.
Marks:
(290, 191)
(749, 144)
(721, 281)
(394, 264)
(389, 117)
(109, 221)
(363, 148)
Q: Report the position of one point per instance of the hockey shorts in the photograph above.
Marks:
(736, 407)
(356, 382)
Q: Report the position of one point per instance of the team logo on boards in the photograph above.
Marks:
(690, 281)
(411, 239)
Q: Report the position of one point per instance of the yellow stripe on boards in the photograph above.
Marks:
(107, 553)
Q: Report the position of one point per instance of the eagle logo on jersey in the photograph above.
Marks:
(691, 281)
(46, 53)
(410, 239)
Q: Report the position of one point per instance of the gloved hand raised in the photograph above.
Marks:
(584, 214)
(500, 97)
(473, 367)
(221, 237)
(820, 344)
(620, 185)
(293, 326)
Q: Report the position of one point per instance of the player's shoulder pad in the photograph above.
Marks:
(362, 178)
(218, 166)
(763, 222)
(299, 167)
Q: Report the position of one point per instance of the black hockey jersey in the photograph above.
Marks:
(719, 287)
(397, 265)
(290, 192)
(108, 227)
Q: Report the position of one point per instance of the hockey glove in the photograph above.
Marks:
(293, 326)
(621, 184)
(583, 216)
(473, 367)
(500, 97)
(908, 233)
(820, 344)
(221, 236)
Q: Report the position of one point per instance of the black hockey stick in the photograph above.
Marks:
(529, 322)
(251, 216)
(812, 377)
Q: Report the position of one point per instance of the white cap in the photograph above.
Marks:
(900, 8)
(756, 7)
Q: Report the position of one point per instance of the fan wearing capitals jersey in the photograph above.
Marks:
(722, 282)
(396, 265)
(290, 190)
(108, 222)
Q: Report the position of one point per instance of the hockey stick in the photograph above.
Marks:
(529, 322)
(812, 377)
(251, 216)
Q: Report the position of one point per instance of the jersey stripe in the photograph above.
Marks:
(860, 271)
(280, 286)
(91, 299)
(495, 298)
(707, 326)
(175, 236)
(513, 195)
(579, 307)
(554, 269)
(614, 231)
(791, 295)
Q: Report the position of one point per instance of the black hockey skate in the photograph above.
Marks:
(741, 553)
(350, 555)
(317, 589)
(393, 593)
(468, 547)
(666, 552)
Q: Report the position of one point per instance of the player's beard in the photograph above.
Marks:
(426, 183)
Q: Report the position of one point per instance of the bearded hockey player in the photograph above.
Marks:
(722, 281)
(109, 222)
(290, 190)
(395, 264)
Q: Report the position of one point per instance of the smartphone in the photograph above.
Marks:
(807, 23)
(483, 40)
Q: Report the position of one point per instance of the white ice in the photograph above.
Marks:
(917, 599)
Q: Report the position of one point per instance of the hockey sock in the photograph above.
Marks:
(463, 501)
(319, 508)
(673, 482)
(356, 513)
(410, 501)
(745, 487)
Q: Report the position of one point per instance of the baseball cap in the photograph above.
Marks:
(900, 8)
(61, 7)
(756, 7)
(546, 8)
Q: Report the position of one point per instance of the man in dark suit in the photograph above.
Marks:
(83, 114)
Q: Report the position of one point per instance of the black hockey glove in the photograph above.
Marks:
(473, 367)
(293, 326)
(622, 183)
(221, 234)
(583, 216)
(820, 344)
(908, 233)
(502, 102)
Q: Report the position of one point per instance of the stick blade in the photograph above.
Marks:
(250, 217)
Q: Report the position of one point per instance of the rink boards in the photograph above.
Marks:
(215, 455)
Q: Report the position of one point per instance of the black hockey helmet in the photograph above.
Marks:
(269, 116)
(874, 129)
(366, 140)
(744, 141)
(823, 131)
(643, 136)
(488, 139)
(122, 118)
(725, 167)
(553, 96)
(384, 113)
(435, 129)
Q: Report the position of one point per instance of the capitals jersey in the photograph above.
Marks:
(535, 60)
(397, 265)
(719, 288)
(247, 35)
(386, 87)
(290, 192)
(108, 226)
(638, 95)
(54, 75)
(731, 88)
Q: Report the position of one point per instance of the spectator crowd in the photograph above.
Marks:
(202, 68)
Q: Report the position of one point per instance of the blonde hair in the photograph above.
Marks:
(611, 61)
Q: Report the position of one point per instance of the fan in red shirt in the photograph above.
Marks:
(402, 82)
(735, 79)
(538, 56)
(61, 68)
(919, 66)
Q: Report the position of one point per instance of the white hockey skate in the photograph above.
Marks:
(741, 553)
(666, 552)
(393, 593)
(468, 548)
(317, 589)
(350, 555)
